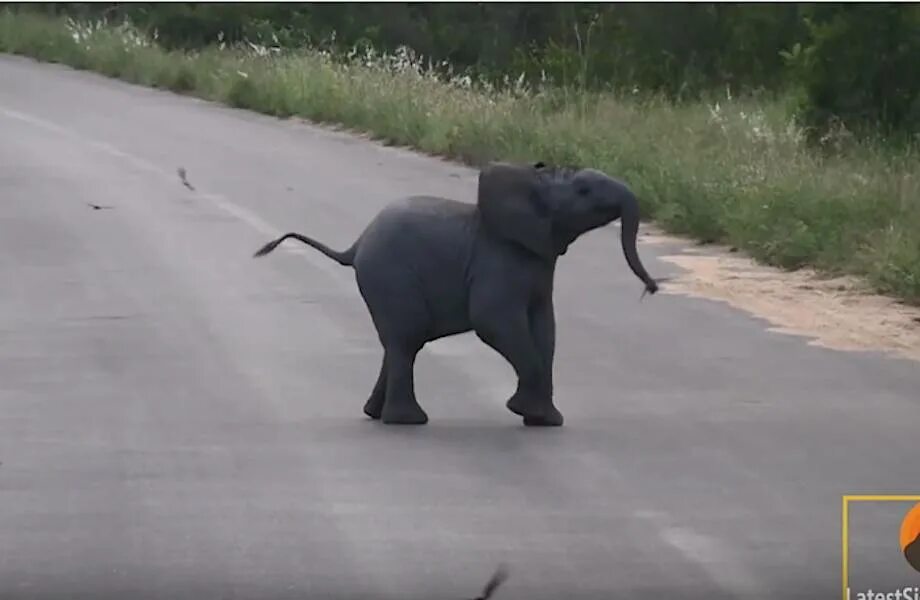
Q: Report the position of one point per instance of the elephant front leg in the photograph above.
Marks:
(510, 335)
(542, 320)
(400, 406)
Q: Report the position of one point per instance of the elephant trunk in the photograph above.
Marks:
(629, 221)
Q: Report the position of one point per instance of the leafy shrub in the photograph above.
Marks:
(859, 69)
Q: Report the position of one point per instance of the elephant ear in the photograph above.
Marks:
(510, 202)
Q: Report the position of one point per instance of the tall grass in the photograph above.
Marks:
(735, 171)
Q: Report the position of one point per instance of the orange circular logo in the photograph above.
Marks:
(910, 537)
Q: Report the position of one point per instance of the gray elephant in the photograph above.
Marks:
(431, 267)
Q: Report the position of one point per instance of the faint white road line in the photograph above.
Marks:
(709, 553)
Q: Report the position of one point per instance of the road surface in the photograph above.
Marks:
(178, 420)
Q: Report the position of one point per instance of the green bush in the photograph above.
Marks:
(859, 68)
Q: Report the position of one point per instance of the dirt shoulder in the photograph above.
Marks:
(838, 313)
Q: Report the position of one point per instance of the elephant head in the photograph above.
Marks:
(546, 209)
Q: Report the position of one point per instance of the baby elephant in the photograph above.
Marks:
(431, 267)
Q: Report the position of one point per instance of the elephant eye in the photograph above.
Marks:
(582, 190)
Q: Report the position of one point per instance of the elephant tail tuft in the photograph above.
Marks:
(346, 258)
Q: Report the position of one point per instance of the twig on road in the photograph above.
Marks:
(184, 179)
(499, 577)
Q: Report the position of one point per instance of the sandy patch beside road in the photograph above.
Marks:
(838, 313)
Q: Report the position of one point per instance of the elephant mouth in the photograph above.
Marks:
(562, 244)
(563, 238)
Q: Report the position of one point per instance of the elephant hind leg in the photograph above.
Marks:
(403, 323)
(374, 405)
(400, 406)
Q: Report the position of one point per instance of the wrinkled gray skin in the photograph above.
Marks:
(431, 267)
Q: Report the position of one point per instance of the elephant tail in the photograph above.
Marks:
(346, 258)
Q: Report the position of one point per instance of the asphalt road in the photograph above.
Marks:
(178, 420)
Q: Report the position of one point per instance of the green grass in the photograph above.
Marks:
(734, 171)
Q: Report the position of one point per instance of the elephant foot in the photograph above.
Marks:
(519, 405)
(373, 407)
(553, 418)
(404, 415)
(545, 415)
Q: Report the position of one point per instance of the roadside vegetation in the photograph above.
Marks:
(744, 170)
